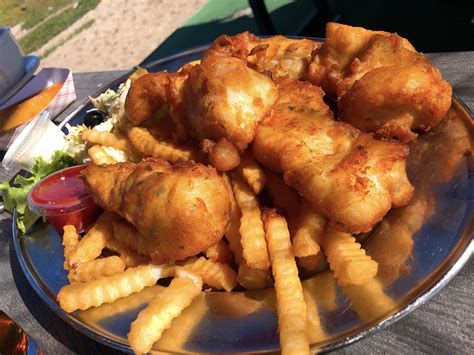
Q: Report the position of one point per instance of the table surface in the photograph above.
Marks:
(443, 325)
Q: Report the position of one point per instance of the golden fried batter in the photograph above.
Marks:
(383, 85)
(344, 174)
(238, 46)
(280, 56)
(341, 46)
(151, 92)
(380, 51)
(276, 56)
(223, 98)
(219, 98)
(392, 91)
(180, 210)
(393, 101)
(146, 95)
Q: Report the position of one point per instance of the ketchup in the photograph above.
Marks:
(63, 199)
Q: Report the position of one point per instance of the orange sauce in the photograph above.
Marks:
(24, 111)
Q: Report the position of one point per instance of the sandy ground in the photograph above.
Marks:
(123, 34)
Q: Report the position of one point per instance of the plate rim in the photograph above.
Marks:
(432, 287)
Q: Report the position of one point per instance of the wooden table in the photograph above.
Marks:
(444, 325)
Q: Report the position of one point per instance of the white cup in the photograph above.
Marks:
(12, 68)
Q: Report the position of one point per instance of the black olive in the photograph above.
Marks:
(93, 118)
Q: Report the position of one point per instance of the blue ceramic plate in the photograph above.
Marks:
(419, 248)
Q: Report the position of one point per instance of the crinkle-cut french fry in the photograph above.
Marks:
(368, 300)
(219, 252)
(232, 233)
(252, 279)
(128, 235)
(284, 197)
(122, 305)
(91, 245)
(289, 292)
(99, 156)
(108, 139)
(149, 146)
(83, 295)
(314, 327)
(347, 259)
(313, 263)
(216, 275)
(130, 257)
(309, 231)
(166, 306)
(70, 240)
(252, 172)
(252, 234)
(96, 269)
(182, 327)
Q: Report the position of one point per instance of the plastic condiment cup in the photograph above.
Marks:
(40, 138)
(63, 199)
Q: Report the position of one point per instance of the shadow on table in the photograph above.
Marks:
(53, 324)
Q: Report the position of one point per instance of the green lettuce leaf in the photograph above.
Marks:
(16, 196)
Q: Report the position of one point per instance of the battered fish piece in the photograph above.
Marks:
(154, 92)
(397, 101)
(393, 91)
(146, 95)
(345, 174)
(179, 210)
(341, 46)
(223, 98)
(276, 56)
(383, 85)
(219, 98)
(238, 46)
(283, 57)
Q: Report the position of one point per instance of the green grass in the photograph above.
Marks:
(55, 25)
(11, 12)
(64, 40)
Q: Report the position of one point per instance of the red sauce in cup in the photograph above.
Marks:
(63, 199)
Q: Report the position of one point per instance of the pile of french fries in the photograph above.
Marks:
(258, 242)
(262, 247)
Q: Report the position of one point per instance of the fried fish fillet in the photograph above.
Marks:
(152, 92)
(219, 98)
(342, 44)
(385, 50)
(383, 85)
(146, 95)
(275, 56)
(345, 174)
(392, 91)
(179, 210)
(223, 98)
